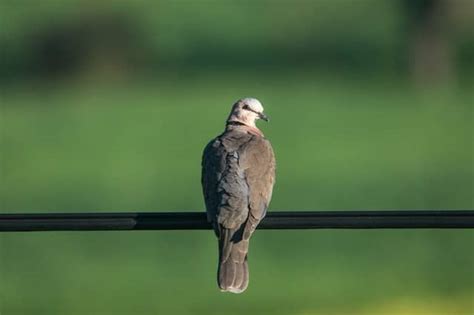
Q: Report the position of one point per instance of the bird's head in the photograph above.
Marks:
(247, 111)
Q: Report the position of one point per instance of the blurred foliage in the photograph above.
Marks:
(147, 37)
(106, 106)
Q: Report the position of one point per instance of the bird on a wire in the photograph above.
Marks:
(238, 173)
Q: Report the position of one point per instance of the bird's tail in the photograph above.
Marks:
(233, 271)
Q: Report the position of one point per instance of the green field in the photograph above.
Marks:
(340, 145)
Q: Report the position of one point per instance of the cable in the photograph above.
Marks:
(274, 220)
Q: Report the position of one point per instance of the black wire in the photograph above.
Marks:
(407, 219)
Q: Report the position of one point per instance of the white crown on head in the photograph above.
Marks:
(253, 103)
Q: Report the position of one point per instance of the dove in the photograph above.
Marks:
(238, 174)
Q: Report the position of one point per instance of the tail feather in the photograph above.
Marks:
(233, 274)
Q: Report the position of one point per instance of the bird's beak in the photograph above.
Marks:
(263, 117)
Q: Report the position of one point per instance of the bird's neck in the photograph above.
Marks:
(237, 125)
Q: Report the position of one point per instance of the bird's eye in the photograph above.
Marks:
(246, 107)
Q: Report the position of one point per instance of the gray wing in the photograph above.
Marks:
(225, 189)
(211, 172)
(258, 161)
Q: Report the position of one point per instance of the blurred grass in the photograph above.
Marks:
(340, 145)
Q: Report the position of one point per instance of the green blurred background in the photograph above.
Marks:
(107, 107)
